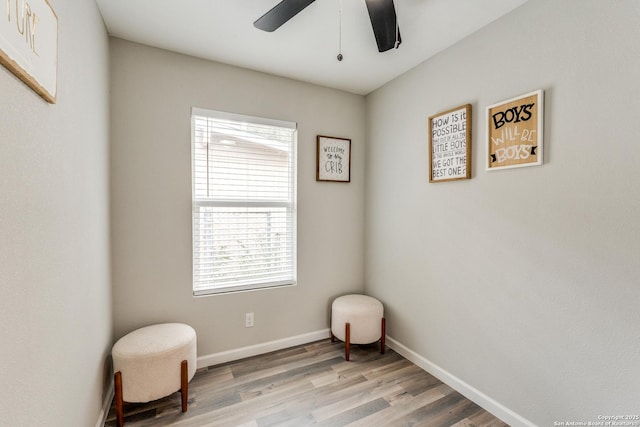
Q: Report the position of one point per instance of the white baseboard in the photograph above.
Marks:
(473, 394)
(254, 350)
(106, 405)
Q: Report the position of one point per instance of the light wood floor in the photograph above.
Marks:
(313, 385)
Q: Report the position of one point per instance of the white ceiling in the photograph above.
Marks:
(305, 48)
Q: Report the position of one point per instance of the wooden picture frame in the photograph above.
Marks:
(29, 45)
(450, 145)
(333, 159)
(515, 132)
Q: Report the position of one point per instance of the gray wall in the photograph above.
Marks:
(524, 282)
(55, 296)
(152, 94)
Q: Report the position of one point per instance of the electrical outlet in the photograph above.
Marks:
(248, 320)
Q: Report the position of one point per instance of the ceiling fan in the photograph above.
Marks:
(381, 12)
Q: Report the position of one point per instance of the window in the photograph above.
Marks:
(244, 202)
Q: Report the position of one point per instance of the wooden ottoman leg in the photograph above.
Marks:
(119, 403)
(184, 384)
(347, 340)
(384, 334)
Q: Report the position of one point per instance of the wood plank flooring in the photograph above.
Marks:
(313, 385)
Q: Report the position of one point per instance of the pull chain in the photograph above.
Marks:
(339, 57)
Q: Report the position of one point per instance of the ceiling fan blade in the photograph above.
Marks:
(281, 13)
(383, 20)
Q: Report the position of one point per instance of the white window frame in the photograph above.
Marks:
(200, 202)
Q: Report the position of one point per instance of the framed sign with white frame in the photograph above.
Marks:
(515, 131)
(450, 145)
(29, 45)
(333, 159)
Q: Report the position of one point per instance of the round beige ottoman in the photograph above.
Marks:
(357, 319)
(153, 362)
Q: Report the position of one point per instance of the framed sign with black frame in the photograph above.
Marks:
(333, 159)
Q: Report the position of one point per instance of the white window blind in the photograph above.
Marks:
(244, 202)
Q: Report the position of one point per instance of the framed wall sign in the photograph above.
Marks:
(515, 131)
(450, 145)
(333, 159)
(29, 44)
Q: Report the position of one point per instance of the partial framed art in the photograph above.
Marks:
(29, 45)
(333, 159)
(515, 131)
(450, 145)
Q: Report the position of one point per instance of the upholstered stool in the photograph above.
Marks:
(357, 319)
(153, 362)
